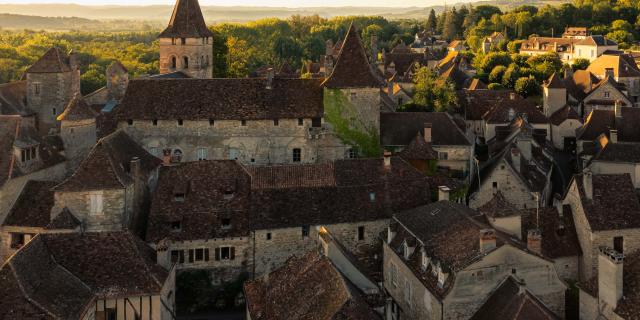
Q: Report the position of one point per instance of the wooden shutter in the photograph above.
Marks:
(217, 254)
(206, 254)
(233, 253)
(190, 255)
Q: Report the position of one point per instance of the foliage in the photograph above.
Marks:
(496, 74)
(580, 64)
(510, 76)
(527, 87)
(495, 86)
(342, 115)
(433, 93)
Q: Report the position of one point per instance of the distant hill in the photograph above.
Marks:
(17, 21)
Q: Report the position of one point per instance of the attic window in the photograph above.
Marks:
(226, 223)
(176, 225)
(178, 197)
(607, 94)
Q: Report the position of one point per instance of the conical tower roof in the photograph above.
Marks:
(352, 69)
(77, 109)
(186, 21)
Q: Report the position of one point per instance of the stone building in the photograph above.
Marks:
(443, 261)
(399, 61)
(108, 189)
(78, 130)
(229, 218)
(52, 82)
(475, 103)
(619, 125)
(454, 152)
(117, 82)
(86, 276)
(605, 209)
(575, 32)
(504, 113)
(187, 44)
(564, 117)
(592, 47)
(492, 41)
(614, 158)
(569, 48)
(624, 70)
(308, 286)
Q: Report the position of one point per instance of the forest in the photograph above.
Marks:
(240, 48)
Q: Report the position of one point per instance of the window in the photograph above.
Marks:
(225, 253)
(54, 111)
(28, 154)
(618, 244)
(361, 233)
(17, 240)
(177, 256)
(173, 41)
(607, 94)
(394, 275)
(372, 196)
(495, 185)
(226, 223)
(243, 122)
(185, 62)
(228, 194)
(174, 62)
(199, 254)
(178, 197)
(305, 231)
(268, 235)
(176, 156)
(202, 154)
(351, 154)
(154, 122)
(212, 122)
(111, 314)
(36, 88)
(443, 155)
(513, 271)
(130, 122)
(180, 122)
(300, 121)
(183, 41)
(276, 122)
(95, 203)
(176, 225)
(352, 95)
(316, 122)
(297, 155)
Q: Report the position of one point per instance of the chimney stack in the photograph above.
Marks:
(387, 160)
(610, 272)
(587, 181)
(443, 193)
(487, 240)
(427, 132)
(534, 241)
(515, 158)
(166, 157)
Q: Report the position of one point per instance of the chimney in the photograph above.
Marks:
(534, 241)
(487, 240)
(427, 132)
(374, 48)
(166, 157)
(270, 76)
(515, 158)
(613, 135)
(134, 167)
(387, 160)
(608, 72)
(610, 271)
(587, 181)
(443, 193)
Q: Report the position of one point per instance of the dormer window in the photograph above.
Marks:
(178, 197)
(28, 154)
(226, 223)
(176, 226)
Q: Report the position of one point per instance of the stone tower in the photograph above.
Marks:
(187, 44)
(117, 81)
(51, 83)
(77, 130)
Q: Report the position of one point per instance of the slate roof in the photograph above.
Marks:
(221, 99)
(565, 113)
(511, 302)
(400, 128)
(53, 61)
(77, 109)
(623, 65)
(352, 69)
(308, 287)
(629, 307)
(108, 165)
(33, 206)
(614, 205)
(186, 22)
(619, 152)
(60, 275)
(601, 121)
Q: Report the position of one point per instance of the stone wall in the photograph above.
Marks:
(365, 111)
(600, 93)
(565, 129)
(78, 137)
(49, 93)
(255, 142)
(113, 217)
(568, 268)
(197, 50)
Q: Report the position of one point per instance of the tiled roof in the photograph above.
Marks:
(511, 302)
(580, 84)
(404, 60)
(476, 84)
(500, 112)
(77, 109)
(292, 176)
(61, 274)
(619, 152)
(453, 74)
(308, 287)
(622, 66)
(498, 207)
(186, 22)
(559, 237)
(9, 126)
(352, 69)
(64, 220)
(108, 165)
(614, 205)
(33, 206)
(596, 40)
(476, 103)
(601, 121)
(554, 82)
(211, 191)
(400, 128)
(53, 61)
(629, 307)
(418, 149)
(13, 98)
(565, 113)
(221, 99)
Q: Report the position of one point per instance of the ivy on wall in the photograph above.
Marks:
(342, 115)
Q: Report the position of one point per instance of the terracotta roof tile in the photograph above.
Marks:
(186, 22)
(292, 176)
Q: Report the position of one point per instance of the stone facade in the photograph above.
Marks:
(604, 97)
(78, 136)
(566, 129)
(189, 55)
(117, 208)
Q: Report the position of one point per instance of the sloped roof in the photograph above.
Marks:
(309, 287)
(77, 109)
(33, 206)
(64, 220)
(53, 61)
(186, 21)
(13, 98)
(554, 82)
(580, 84)
(511, 302)
(419, 149)
(498, 207)
(352, 69)
(601, 121)
(500, 113)
(565, 113)
(400, 128)
(596, 40)
(622, 66)
(221, 99)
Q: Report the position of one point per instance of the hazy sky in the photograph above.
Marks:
(271, 3)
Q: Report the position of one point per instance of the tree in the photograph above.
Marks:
(493, 59)
(220, 52)
(527, 87)
(431, 21)
(496, 74)
(580, 64)
(433, 93)
(510, 76)
(450, 29)
(495, 86)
